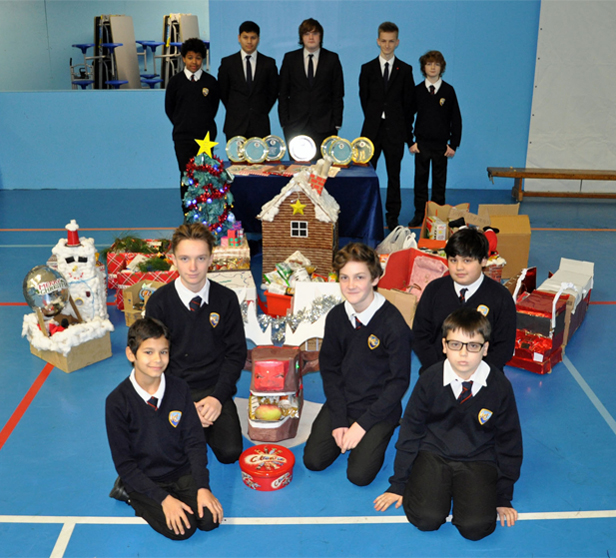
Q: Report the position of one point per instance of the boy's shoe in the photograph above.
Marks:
(416, 221)
(119, 492)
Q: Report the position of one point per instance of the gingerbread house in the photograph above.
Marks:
(304, 217)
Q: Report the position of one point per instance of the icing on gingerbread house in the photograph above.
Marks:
(304, 217)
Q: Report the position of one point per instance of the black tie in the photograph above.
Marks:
(386, 74)
(310, 70)
(153, 402)
(463, 295)
(358, 324)
(432, 90)
(192, 78)
(248, 72)
(466, 392)
(195, 303)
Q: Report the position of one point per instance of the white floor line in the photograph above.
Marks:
(590, 394)
(63, 539)
(342, 520)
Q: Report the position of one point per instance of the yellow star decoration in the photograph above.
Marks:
(298, 207)
(206, 144)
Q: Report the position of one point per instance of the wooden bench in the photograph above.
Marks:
(520, 173)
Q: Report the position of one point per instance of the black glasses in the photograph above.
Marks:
(471, 347)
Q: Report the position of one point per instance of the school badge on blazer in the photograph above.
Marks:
(373, 342)
(214, 319)
(205, 91)
(174, 418)
(483, 309)
(441, 101)
(484, 416)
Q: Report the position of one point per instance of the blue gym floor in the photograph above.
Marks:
(56, 468)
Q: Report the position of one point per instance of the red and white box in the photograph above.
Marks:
(267, 467)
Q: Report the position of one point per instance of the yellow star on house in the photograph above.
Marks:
(206, 144)
(298, 207)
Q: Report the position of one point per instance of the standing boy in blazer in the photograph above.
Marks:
(311, 88)
(248, 86)
(386, 90)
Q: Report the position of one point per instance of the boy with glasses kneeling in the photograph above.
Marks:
(460, 438)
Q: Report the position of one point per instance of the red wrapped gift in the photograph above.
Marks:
(533, 346)
(126, 279)
(543, 367)
(267, 467)
(534, 314)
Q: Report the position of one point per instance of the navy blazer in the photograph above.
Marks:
(247, 108)
(397, 101)
(322, 104)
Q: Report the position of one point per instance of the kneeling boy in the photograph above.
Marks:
(466, 286)
(157, 442)
(366, 366)
(460, 438)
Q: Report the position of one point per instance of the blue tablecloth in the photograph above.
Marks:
(356, 189)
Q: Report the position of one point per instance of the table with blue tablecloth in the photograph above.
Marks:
(356, 189)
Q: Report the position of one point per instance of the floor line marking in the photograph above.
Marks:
(590, 393)
(332, 520)
(24, 404)
(63, 539)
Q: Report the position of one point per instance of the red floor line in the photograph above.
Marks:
(603, 302)
(128, 229)
(25, 403)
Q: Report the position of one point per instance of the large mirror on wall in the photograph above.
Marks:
(70, 45)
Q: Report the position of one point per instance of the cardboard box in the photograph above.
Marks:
(513, 237)
(436, 229)
(403, 301)
(133, 302)
(579, 276)
(81, 356)
(242, 282)
(398, 284)
(443, 213)
(126, 279)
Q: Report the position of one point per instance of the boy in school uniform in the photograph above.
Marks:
(248, 86)
(208, 345)
(365, 365)
(156, 441)
(460, 438)
(438, 130)
(467, 251)
(191, 103)
(386, 90)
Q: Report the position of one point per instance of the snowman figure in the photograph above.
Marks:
(76, 260)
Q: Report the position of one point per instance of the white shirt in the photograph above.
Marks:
(472, 288)
(437, 85)
(197, 74)
(315, 60)
(365, 316)
(253, 63)
(390, 62)
(186, 295)
(478, 378)
(160, 392)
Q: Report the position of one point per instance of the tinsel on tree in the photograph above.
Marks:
(208, 199)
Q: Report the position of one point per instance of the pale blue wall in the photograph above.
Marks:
(118, 139)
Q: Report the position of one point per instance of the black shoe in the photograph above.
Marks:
(416, 221)
(119, 492)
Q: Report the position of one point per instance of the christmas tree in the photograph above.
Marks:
(208, 198)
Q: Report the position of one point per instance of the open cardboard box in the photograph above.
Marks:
(80, 356)
(513, 236)
(133, 305)
(395, 281)
(445, 213)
